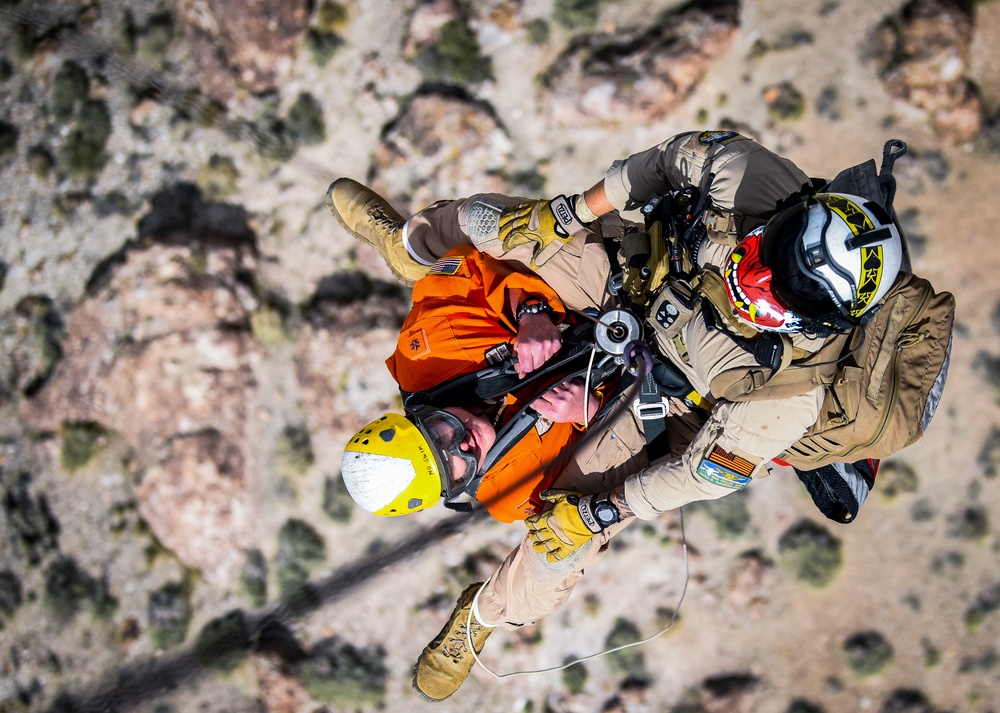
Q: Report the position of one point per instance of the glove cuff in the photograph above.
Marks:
(567, 222)
(582, 210)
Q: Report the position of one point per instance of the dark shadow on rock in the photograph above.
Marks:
(275, 637)
(370, 301)
(181, 216)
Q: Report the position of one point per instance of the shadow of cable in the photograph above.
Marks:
(225, 641)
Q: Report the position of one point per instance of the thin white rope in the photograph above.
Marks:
(586, 390)
(670, 624)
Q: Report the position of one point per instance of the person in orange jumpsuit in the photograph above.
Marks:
(466, 306)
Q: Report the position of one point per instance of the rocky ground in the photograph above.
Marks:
(189, 339)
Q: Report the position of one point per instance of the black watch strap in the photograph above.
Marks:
(598, 515)
(532, 305)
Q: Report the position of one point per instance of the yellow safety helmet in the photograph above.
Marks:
(390, 469)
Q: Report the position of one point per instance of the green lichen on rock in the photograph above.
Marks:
(627, 662)
(34, 529)
(574, 678)
(323, 45)
(31, 344)
(337, 502)
(810, 553)
(295, 452)
(987, 602)
(456, 56)
(80, 443)
(339, 673)
(300, 542)
(218, 178)
(331, 17)
(152, 39)
(895, 478)
(789, 40)
(83, 152)
(267, 324)
(224, 642)
(729, 513)
(305, 119)
(323, 39)
(577, 14)
(274, 140)
(253, 578)
(40, 161)
(70, 89)
(989, 455)
(868, 652)
(300, 547)
(68, 587)
(538, 31)
(169, 611)
(784, 101)
(971, 523)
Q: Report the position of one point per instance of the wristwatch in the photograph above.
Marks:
(532, 305)
(606, 513)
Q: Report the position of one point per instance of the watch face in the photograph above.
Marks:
(606, 513)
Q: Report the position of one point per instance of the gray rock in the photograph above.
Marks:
(640, 76)
(923, 54)
(441, 146)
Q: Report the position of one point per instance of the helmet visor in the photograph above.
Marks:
(749, 285)
(795, 283)
(445, 433)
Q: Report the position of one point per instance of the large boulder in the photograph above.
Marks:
(162, 354)
(637, 77)
(923, 54)
(244, 42)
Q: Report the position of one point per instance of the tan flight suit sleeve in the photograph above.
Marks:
(749, 179)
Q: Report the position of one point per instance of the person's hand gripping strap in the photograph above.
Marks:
(571, 521)
(549, 224)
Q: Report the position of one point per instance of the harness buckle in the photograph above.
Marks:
(650, 410)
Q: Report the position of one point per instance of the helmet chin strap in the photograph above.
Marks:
(834, 323)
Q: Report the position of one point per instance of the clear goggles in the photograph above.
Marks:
(444, 432)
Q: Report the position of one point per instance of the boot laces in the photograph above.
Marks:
(378, 216)
(456, 646)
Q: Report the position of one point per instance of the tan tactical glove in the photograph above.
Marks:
(548, 224)
(570, 523)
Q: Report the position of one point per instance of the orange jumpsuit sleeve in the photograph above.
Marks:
(460, 311)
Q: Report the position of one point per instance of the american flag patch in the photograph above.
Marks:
(446, 266)
(725, 469)
(731, 461)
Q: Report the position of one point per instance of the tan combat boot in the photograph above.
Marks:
(445, 663)
(371, 219)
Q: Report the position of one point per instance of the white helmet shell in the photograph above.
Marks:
(854, 251)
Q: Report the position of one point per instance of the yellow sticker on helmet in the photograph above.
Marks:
(871, 278)
(871, 257)
(857, 220)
